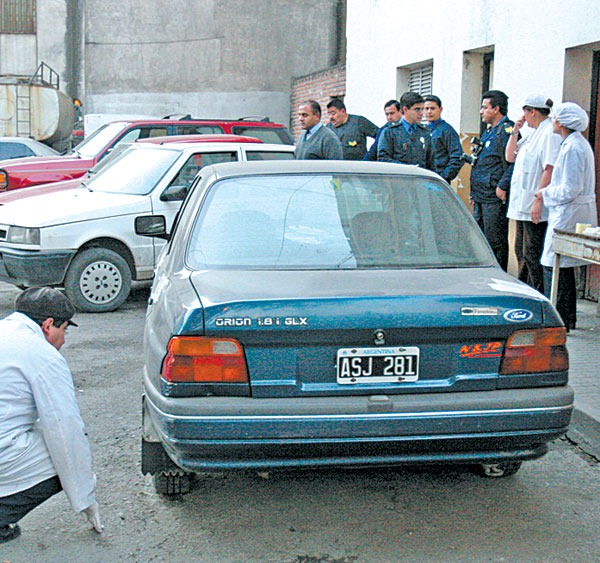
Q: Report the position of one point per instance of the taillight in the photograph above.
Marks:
(199, 359)
(3, 180)
(530, 351)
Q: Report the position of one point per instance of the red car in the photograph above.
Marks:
(12, 195)
(24, 172)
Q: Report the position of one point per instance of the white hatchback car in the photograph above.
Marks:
(84, 239)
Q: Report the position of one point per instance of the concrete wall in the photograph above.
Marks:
(530, 41)
(20, 54)
(210, 58)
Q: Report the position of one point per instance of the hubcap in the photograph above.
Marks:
(100, 282)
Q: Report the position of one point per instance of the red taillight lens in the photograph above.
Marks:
(198, 359)
(531, 351)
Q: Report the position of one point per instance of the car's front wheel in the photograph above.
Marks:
(98, 280)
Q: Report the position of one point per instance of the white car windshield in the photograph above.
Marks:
(133, 171)
(94, 144)
(331, 222)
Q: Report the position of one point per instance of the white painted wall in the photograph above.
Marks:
(529, 37)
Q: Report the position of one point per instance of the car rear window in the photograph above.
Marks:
(269, 155)
(272, 135)
(333, 222)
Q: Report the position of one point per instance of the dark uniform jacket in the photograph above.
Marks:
(491, 169)
(447, 150)
(397, 145)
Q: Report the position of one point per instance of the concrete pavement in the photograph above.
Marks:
(583, 344)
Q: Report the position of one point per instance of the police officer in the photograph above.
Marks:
(491, 174)
(407, 141)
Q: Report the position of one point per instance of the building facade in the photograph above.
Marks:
(457, 49)
(207, 58)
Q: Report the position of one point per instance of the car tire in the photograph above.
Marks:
(172, 482)
(498, 470)
(98, 280)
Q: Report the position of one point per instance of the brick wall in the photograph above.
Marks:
(320, 86)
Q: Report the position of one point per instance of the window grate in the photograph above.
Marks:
(18, 16)
(420, 80)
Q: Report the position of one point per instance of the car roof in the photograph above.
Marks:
(242, 121)
(205, 138)
(24, 140)
(316, 167)
(186, 145)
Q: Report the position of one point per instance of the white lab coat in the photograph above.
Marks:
(41, 430)
(570, 197)
(536, 151)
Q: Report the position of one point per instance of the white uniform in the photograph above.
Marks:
(536, 151)
(570, 197)
(41, 431)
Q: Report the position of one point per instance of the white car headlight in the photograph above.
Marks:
(23, 235)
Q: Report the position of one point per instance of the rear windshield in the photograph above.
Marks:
(332, 222)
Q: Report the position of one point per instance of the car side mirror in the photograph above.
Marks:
(152, 226)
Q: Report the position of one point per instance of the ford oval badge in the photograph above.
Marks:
(518, 315)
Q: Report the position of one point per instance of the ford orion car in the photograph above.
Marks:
(340, 313)
(83, 239)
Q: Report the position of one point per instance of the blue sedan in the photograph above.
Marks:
(341, 313)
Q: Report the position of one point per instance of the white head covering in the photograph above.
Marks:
(537, 101)
(571, 116)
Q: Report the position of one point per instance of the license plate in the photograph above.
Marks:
(377, 365)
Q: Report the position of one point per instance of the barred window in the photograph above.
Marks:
(18, 16)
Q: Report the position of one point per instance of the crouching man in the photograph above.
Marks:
(43, 446)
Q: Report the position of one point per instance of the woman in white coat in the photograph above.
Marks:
(570, 199)
(534, 156)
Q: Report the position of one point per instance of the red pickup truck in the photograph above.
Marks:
(24, 172)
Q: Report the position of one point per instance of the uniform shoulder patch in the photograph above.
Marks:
(508, 129)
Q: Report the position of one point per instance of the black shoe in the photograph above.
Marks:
(9, 532)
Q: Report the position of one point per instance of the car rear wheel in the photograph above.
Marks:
(172, 482)
(98, 280)
(497, 470)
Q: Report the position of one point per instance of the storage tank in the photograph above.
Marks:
(35, 110)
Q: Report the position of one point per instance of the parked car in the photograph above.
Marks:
(83, 239)
(14, 195)
(20, 147)
(33, 171)
(340, 313)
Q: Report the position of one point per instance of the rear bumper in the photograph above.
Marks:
(22, 267)
(245, 433)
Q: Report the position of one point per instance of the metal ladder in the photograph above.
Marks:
(43, 75)
(23, 109)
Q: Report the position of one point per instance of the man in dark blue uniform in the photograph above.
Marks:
(407, 141)
(392, 113)
(447, 150)
(491, 174)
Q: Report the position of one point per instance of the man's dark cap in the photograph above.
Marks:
(41, 303)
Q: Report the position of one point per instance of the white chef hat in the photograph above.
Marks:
(537, 101)
(571, 116)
